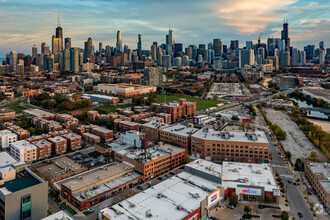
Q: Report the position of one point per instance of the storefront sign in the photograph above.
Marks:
(213, 198)
(249, 191)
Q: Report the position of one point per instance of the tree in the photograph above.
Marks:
(284, 215)
(76, 97)
(314, 157)
(186, 158)
(247, 209)
(298, 164)
(234, 118)
(269, 199)
(233, 199)
(288, 154)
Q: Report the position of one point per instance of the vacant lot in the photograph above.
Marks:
(16, 106)
(297, 142)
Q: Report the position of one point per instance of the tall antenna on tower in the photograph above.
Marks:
(58, 21)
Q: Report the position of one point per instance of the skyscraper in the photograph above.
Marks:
(87, 49)
(321, 45)
(66, 66)
(44, 48)
(217, 47)
(285, 58)
(295, 57)
(234, 44)
(35, 54)
(249, 45)
(139, 44)
(170, 37)
(310, 51)
(13, 61)
(246, 57)
(100, 48)
(67, 43)
(154, 52)
(285, 35)
(74, 59)
(166, 61)
(302, 58)
(119, 44)
(59, 34)
(322, 57)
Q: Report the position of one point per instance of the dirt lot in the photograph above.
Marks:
(297, 142)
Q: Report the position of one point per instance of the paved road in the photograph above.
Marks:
(294, 196)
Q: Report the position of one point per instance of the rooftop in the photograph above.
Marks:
(172, 199)
(5, 133)
(180, 130)
(6, 110)
(206, 167)
(56, 139)
(234, 174)
(102, 129)
(22, 145)
(6, 159)
(71, 135)
(144, 156)
(23, 180)
(321, 169)
(91, 135)
(156, 125)
(35, 112)
(41, 143)
(238, 136)
(99, 175)
(61, 215)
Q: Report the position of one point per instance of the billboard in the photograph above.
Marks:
(213, 198)
(248, 191)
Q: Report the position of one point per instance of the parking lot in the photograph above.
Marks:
(296, 142)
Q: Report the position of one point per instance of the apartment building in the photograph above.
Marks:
(6, 113)
(91, 138)
(104, 133)
(178, 109)
(177, 135)
(235, 146)
(23, 151)
(128, 125)
(318, 175)
(152, 130)
(74, 141)
(44, 149)
(154, 161)
(21, 133)
(59, 144)
(7, 137)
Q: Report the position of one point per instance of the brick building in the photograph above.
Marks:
(152, 130)
(177, 135)
(127, 126)
(74, 141)
(44, 149)
(154, 161)
(59, 144)
(91, 138)
(21, 133)
(104, 133)
(178, 109)
(235, 146)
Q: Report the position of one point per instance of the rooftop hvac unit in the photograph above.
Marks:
(148, 213)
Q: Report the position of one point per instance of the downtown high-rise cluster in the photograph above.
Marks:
(62, 57)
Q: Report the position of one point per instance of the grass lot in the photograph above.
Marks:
(111, 108)
(87, 213)
(15, 106)
(201, 103)
(68, 208)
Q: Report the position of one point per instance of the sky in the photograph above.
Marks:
(27, 22)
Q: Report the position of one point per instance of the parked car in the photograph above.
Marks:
(231, 206)
(294, 182)
(160, 178)
(289, 181)
(91, 209)
(172, 173)
(300, 214)
(139, 187)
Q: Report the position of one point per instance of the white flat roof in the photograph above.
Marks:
(56, 139)
(155, 125)
(41, 142)
(152, 154)
(238, 136)
(234, 174)
(37, 112)
(180, 130)
(6, 159)
(22, 145)
(7, 133)
(206, 167)
(61, 215)
(173, 192)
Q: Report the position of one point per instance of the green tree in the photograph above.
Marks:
(269, 199)
(186, 158)
(288, 154)
(284, 215)
(298, 164)
(247, 209)
(76, 97)
(314, 156)
(233, 199)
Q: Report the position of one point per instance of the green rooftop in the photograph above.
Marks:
(23, 180)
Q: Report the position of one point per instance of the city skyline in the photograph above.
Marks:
(100, 20)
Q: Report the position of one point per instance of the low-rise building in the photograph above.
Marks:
(124, 89)
(318, 175)
(7, 137)
(59, 144)
(133, 138)
(21, 133)
(105, 134)
(23, 151)
(94, 186)
(91, 138)
(152, 130)
(154, 161)
(177, 135)
(7, 113)
(44, 149)
(128, 125)
(235, 146)
(8, 167)
(74, 141)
